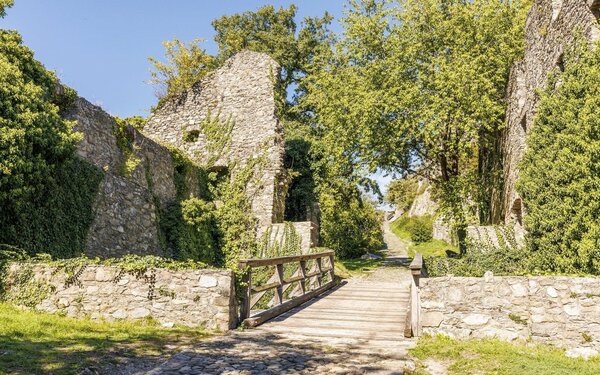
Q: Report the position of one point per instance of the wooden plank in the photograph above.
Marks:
(279, 290)
(302, 270)
(246, 284)
(286, 306)
(283, 260)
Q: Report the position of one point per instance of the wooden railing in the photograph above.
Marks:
(309, 284)
(413, 316)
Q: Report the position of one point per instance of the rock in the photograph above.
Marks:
(585, 353)
(370, 256)
(140, 312)
(551, 292)
(208, 281)
(488, 276)
(432, 319)
(476, 319)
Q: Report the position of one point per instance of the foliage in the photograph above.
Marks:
(199, 243)
(418, 88)
(350, 225)
(505, 258)
(184, 66)
(421, 230)
(39, 343)
(492, 356)
(236, 225)
(187, 225)
(402, 193)
(4, 4)
(404, 228)
(272, 244)
(217, 137)
(22, 289)
(35, 142)
(57, 220)
(559, 172)
(276, 33)
(125, 141)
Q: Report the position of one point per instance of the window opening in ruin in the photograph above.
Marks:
(524, 123)
(596, 8)
(517, 211)
(191, 135)
(560, 62)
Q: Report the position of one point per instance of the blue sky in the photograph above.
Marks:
(101, 48)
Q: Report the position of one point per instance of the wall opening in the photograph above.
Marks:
(517, 211)
(595, 7)
(524, 123)
(560, 62)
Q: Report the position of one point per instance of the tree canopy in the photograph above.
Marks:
(418, 87)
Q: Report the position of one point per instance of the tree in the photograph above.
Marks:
(275, 32)
(418, 88)
(402, 193)
(560, 180)
(185, 65)
(4, 4)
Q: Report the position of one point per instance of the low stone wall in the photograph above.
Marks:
(204, 298)
(560, 310)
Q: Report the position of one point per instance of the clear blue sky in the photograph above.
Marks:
(100, 48)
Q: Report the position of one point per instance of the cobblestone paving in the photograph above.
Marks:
(255, 352)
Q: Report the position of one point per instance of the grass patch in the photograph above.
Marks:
(402, 228)
(347, 268)
(499, 357)
(39, 343)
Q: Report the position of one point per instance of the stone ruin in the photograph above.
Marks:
(126, 207)
(550, 29)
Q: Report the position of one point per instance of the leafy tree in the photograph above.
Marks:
(34, 139)
(3, 5)
(276, 33)
(418, 87)
(184, 66)
(401, 193)
(560, 179)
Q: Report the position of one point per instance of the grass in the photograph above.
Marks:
(38, 343)
(501, 358)
(346, 268)
(401, 228)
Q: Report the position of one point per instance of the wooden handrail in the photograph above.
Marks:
(413, 317)
(305, 280)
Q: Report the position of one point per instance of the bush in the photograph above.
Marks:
(421, 230)
(559, 172)
(505, 258)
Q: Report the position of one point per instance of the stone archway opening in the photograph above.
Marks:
(517, 211)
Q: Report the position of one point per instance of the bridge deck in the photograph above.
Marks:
(359, 313)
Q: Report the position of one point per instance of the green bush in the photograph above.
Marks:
(560, 170)
(504, 258)
(421, 230)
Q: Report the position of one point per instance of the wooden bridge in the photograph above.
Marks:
(302, 299)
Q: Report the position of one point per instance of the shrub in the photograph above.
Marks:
(559, 172)
(421, 230)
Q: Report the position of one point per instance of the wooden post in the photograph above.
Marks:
(332, 271)
(303, 274)
(247, 293)
(279, 289)
(319, 271)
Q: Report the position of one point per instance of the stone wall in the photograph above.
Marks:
(550, 29)
(203, 298)
(125, 209)
(560, 310)
(306, 230)
(241, 90)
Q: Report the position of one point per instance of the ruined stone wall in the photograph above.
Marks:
(243, 90)
(197, 298)
(550, 29)
(561, 310)
(306, 230)
(125, 209)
